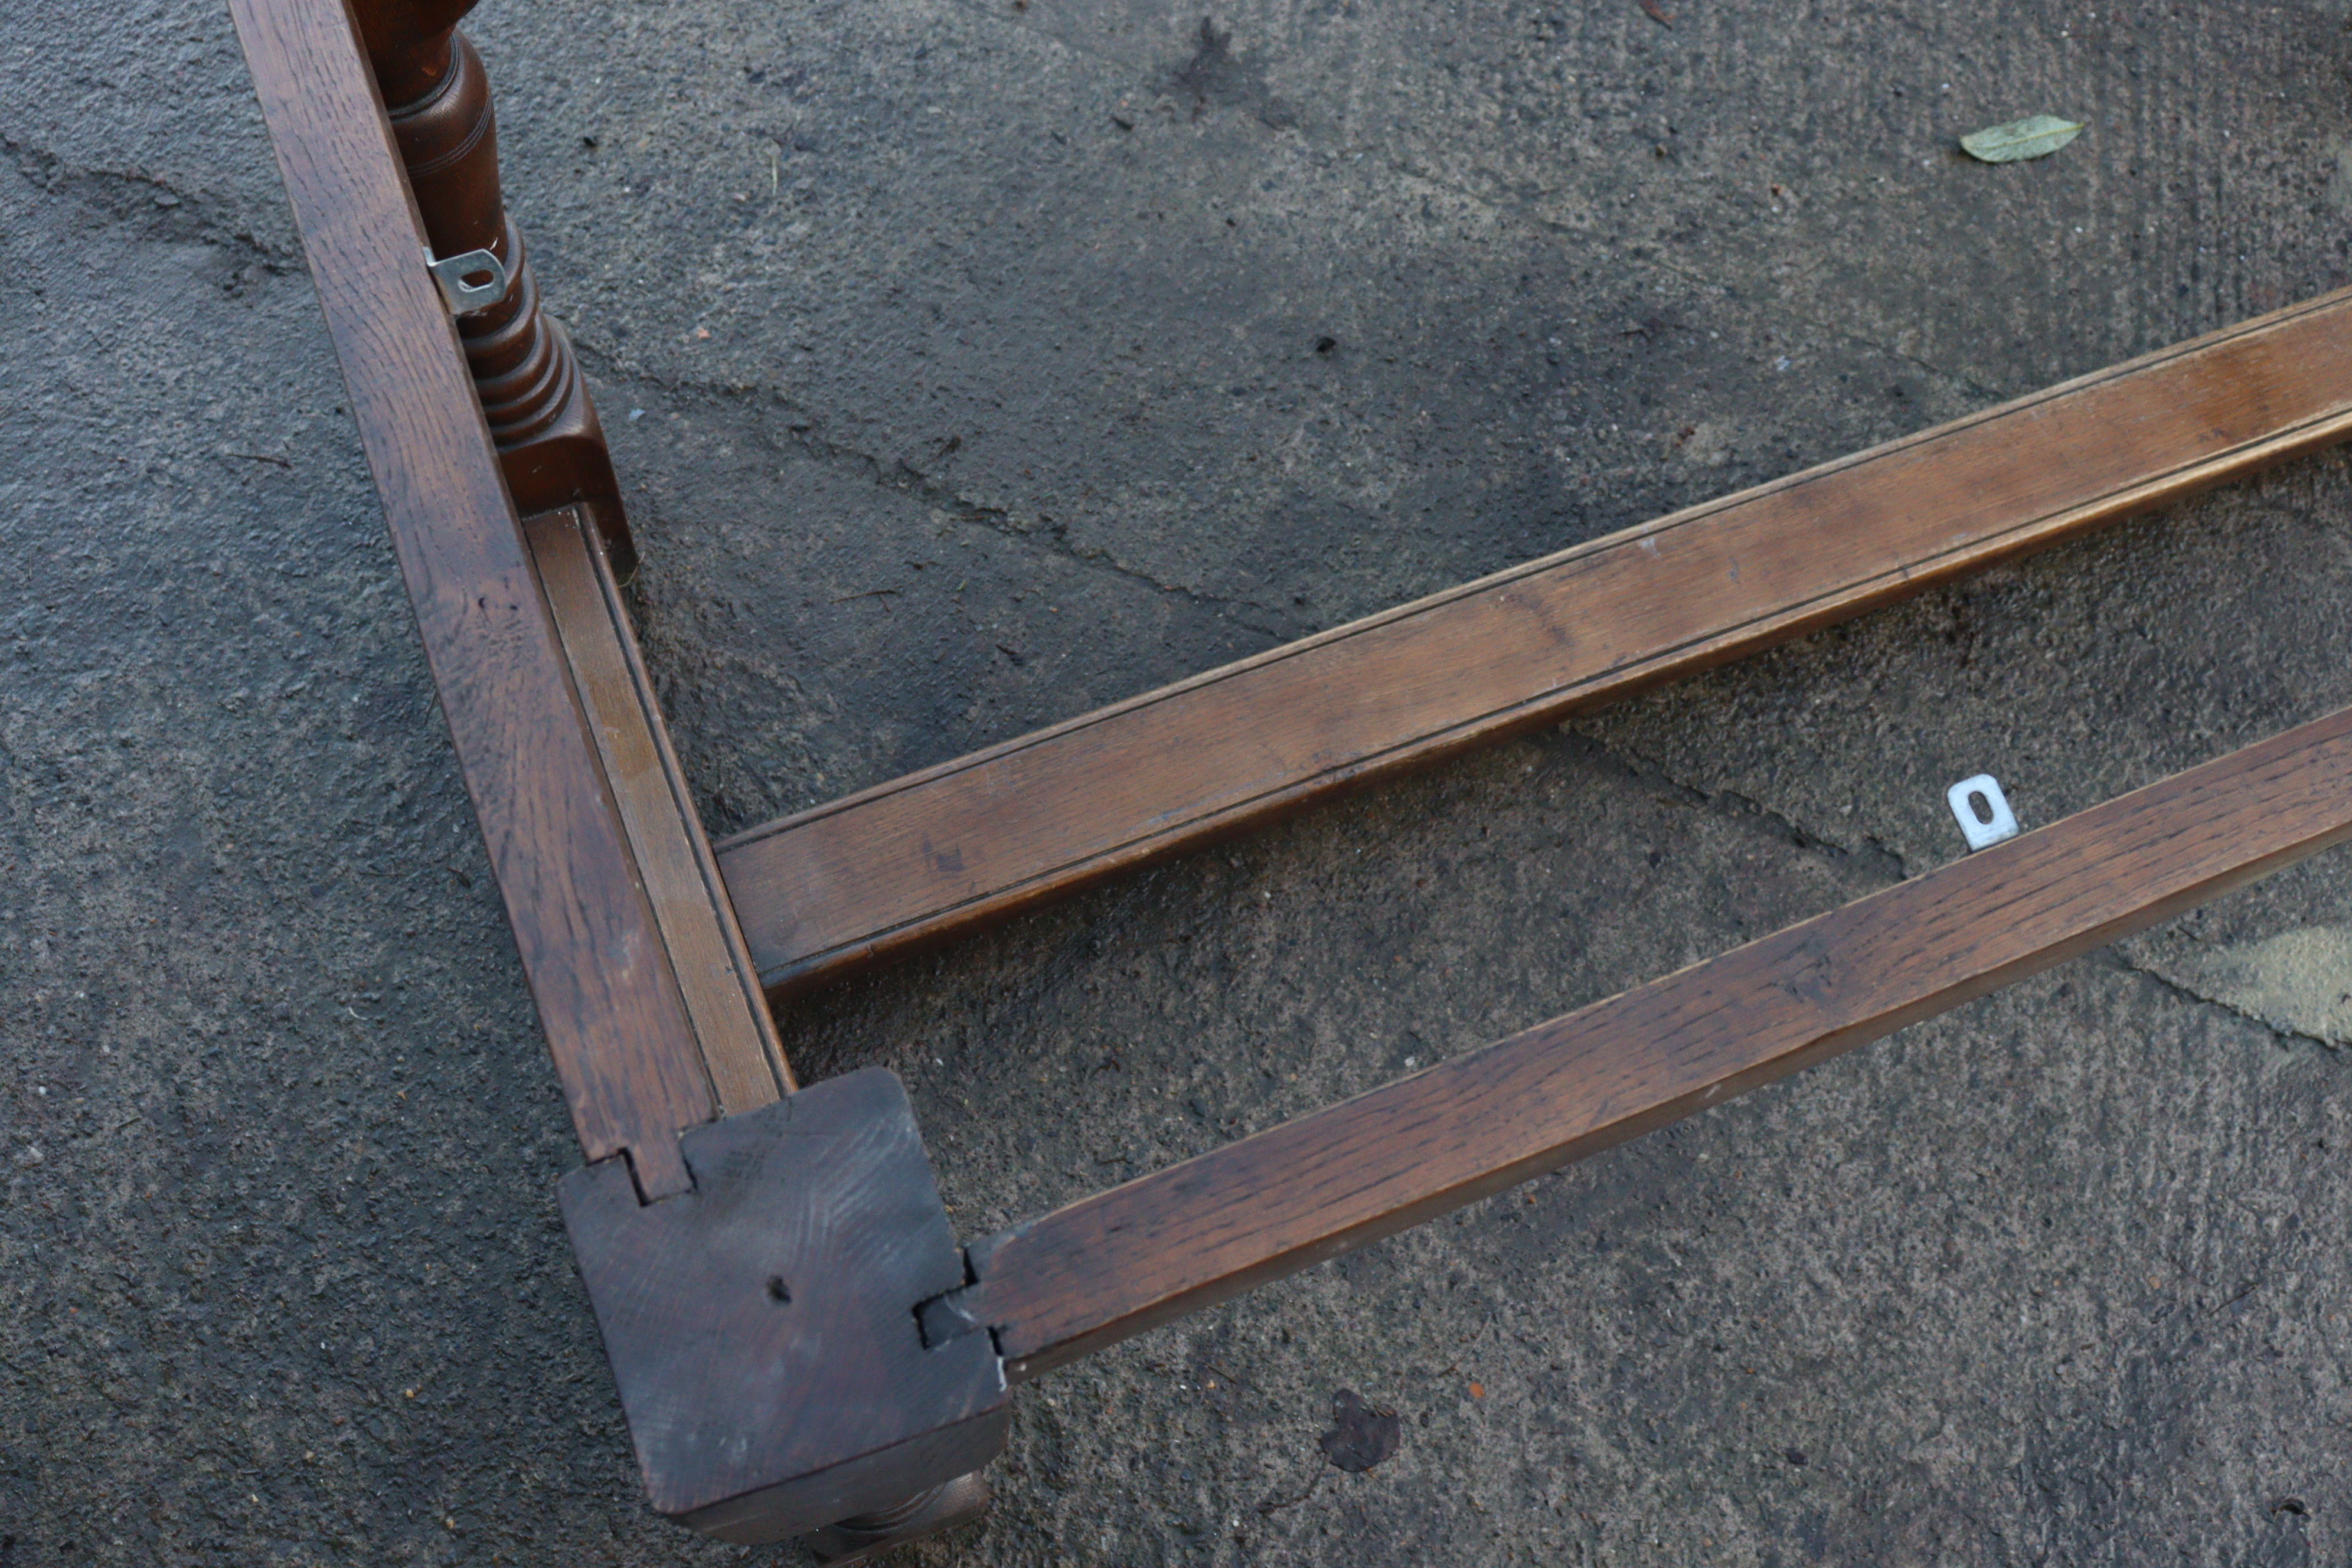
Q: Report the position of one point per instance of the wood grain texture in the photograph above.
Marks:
(942, 850)
(732, 1022)
(1123, 1260)
(615, 1020)
(762, 1327)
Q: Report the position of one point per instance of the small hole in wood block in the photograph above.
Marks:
(776, 1290)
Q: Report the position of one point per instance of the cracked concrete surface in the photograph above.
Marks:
(973, 364)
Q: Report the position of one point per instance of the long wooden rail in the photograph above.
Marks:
(732, 1025)
(1118, 1262)
(608, 901)
(942, 851)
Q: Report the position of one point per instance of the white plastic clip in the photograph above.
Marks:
(473, 281)
(1982, 812)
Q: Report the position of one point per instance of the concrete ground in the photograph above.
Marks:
(973, 363)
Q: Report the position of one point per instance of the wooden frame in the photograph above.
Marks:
(800, 1343)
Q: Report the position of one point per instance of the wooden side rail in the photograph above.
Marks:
(640, 977)
(1168, 1243)
(942, 851)
(732, 1025)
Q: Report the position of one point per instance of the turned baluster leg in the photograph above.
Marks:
(438, 97)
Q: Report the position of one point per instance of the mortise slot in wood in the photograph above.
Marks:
(1117, 1263)
(732, 1022)
(943, 850)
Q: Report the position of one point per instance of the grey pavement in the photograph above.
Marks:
(971, 364)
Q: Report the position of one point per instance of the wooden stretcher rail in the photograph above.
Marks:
(607, 898)
(1120, 1261)
(732, 1022)
(942, 851)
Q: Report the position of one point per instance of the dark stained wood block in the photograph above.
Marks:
(762, 1327)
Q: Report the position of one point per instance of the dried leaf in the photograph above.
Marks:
(1656, 12)
(2036, 136)
(1361, 1434)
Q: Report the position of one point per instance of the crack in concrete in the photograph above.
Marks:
(938, 494)
(116, 194)
(1872, 860)
(902, 478)
(150, 206)
(798, 438)
(990, 516)
(2114, 957)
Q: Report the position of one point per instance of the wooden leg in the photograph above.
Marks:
(438, 99)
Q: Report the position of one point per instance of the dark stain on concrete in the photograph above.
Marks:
(1215, 77)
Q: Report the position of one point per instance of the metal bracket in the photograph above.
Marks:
(457, 276)
(1982, 811)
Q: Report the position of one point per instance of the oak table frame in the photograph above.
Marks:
(801, 1344)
